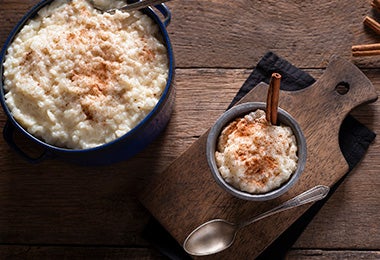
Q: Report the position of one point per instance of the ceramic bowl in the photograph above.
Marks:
(239, 111)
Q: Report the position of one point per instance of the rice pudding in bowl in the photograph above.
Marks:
(252, 159)
(76, 79)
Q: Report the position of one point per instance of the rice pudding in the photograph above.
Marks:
(78, 78)
(255, 156)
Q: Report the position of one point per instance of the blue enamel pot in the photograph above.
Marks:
(120, 149)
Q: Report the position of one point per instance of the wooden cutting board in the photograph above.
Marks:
(185, 195)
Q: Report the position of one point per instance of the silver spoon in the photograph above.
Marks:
(128, 7)
(218, 234)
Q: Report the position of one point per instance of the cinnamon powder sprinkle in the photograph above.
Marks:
(255, 156)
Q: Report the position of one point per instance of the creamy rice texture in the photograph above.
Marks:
(255, 156)
(78, 78)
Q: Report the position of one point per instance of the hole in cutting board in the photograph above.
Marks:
(342, 88)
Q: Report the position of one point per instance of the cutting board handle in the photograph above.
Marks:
(320, 110)
(341, 88)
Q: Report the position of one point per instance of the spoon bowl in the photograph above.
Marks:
(218, 234)
(206, 239)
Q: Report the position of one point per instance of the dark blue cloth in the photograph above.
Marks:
(354, 140)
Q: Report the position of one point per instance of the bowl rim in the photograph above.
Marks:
(240, 110)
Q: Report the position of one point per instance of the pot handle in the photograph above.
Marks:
(8, 134)
(164, 10)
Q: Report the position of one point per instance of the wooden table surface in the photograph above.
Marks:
(56, 210)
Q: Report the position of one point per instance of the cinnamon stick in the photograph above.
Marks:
(366, 53)
(272, 98)
(372, 23)
(268, 111)
(366, 49)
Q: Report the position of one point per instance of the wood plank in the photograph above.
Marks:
(332, 254)
(64, 252)
(238, 33)
(67, 252)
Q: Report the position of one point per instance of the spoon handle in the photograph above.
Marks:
(314, 194)
(141, 4)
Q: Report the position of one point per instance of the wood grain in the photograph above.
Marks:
(216, 45)
(209, 34)
(331, 254)
(238, 33)
(62, 252)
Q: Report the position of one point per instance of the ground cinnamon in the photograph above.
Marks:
(272, 98)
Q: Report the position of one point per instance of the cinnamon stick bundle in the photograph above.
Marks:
(369, 49)
(366, 49)
(272, 98)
